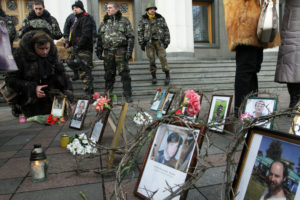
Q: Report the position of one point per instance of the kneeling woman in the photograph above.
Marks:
(39, 71)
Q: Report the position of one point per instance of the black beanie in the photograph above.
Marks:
(78, 4)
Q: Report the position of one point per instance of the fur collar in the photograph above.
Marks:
(157, 15)
(46, 15)
(26, 48)
(118, 16)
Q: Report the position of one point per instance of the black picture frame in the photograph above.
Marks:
(99, 125)
(79, 114)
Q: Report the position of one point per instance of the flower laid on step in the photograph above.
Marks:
(101, 103)
(193, 102)
(142, 118)
(246, 117)
(46, 119)
(96, 96)
(80, 145)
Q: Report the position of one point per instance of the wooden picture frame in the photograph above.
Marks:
(157, 171)
(219, 111)
(58, 106)
(167, 102)
(157, 100)
(295, 126)
(99, 126)
(183, 109)
(79, 114)
(265, 151)
(263, 106)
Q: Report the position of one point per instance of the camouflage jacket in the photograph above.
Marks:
(114, 32)
(45, 22)
(10, 26)
(145, 33)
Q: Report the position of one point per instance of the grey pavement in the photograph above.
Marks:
(16, 141)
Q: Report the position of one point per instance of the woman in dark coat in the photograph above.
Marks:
(40, 73)
(288, 64)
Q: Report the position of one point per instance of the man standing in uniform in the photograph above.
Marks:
(116, 40)
(154, 36)
(10, 26)
(40, 19)
(81, 39)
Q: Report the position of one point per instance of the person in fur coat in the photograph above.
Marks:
(288, 65)
(241, 19)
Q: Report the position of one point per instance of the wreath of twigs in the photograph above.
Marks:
(144, 134)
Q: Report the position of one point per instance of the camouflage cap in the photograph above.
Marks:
(149, 5)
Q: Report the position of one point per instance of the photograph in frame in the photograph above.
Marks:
(169, 159)
(157, 100)
(80, 112)
(219, 111)
(261, 106)
(167, 102)
(58, 106)
(295, 126)
(99, 126)
(269, 166)
(183, 109)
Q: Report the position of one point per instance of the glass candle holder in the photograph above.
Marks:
(64, 140)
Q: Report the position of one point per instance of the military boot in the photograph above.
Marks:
(294, 99)
(154, 80)
(75, 76)
(167, 81)
(128, 99)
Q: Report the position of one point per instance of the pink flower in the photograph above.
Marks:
(193, 107)
(102, 103)
(178, 112)
(246, 117)
(96, 96)
(191, 94)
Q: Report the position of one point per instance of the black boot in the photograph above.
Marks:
(154, 80)
(167, 81)
(128, 99)
(15, 110)
(294, 99)
(76, 76)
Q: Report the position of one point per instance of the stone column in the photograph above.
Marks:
(179, 17)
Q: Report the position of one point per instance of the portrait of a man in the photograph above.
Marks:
(168, 154)
(278, 174)
(80, 111)
(259, 107)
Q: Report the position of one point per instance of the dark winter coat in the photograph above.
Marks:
(46, 22)
(10, 26)
(34, 71)
(82, 34)
(288, 64)
(144, 30)
(114, 32)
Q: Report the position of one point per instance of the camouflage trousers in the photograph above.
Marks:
(115, 60)
(156, 48)
(85, 71)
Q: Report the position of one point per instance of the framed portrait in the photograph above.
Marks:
(261, 106)
(183, 109)
(80, 112)
(268, 167)
(157, 100)
(167, 102)
(99, 126)
(169, 159)
(218, 112)
(58, 106)
(295, 127)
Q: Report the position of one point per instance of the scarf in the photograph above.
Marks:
(151, 16)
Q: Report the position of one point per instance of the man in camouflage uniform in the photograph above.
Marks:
(40, 19)
(10, 26)
(154, 36)
(116, 41)
(81, 41)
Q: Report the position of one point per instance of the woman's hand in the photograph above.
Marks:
(39, 91)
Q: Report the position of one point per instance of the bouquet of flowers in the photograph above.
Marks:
(101, 102)
(246, 117)
(80, 145)
(46, 119)
(193, 102)
(142, 118)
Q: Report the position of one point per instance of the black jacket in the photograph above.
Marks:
(82, 35)
(34, 71)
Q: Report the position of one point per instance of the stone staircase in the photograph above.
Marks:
(208, 76)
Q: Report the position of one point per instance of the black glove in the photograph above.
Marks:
(99, 53)
(143, 47)
(166, 46)
(128, 55)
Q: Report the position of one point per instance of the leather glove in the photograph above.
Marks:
(143, 47)
(128, 55)
(166, 46)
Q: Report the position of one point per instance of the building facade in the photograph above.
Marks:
(197, 27)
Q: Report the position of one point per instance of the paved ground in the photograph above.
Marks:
(16, 142)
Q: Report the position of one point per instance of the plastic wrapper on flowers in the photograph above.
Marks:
(80, 145)
(142, 118)
(246, 117)
(101, 103)
(193, 100)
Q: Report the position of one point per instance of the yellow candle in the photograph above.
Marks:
(64, 140)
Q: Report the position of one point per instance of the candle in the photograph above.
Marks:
(64, 140)
(38, 170)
